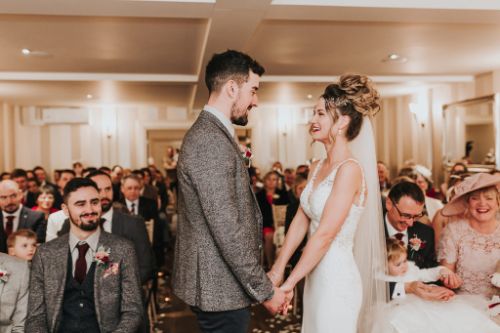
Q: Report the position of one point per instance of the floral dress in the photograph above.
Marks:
(474, 254)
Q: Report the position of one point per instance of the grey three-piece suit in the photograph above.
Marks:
(219, 236)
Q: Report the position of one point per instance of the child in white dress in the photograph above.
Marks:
(411, 314)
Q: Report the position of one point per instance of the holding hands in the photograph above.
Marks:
(283, 294)
(449, 278)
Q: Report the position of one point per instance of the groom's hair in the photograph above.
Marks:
(230, 65)
(408, 189)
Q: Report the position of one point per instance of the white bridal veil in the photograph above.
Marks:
(369, 242)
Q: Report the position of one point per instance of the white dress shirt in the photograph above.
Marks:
(391, 231)
(54, 224)
(92, 241)
(108, 217)
(15, 222)
(222, 117)
(136, 206)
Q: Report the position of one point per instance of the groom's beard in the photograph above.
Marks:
(239, 117)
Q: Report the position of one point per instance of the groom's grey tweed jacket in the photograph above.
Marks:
(219, 233)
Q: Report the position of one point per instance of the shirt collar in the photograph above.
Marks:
(222, 117)
(391, 230)
(16, 214)
(129, 203)
(92, 240)
(108, 215)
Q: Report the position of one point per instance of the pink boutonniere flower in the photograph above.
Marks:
(112, 269)
(4, 275)
(102, 256)
(247, 156)
(416, 243)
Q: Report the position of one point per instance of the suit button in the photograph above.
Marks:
(82, 292)
(81, 305)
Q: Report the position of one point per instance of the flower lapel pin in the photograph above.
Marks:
(416, 243)
(4, 275)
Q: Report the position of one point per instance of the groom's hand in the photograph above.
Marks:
(275, 304)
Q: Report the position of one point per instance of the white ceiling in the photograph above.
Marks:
(154, 51)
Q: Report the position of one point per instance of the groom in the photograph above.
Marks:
(219, 235)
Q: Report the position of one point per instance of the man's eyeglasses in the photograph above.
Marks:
(407, 216)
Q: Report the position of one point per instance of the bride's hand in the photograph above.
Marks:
(275, 277)
(288, 290)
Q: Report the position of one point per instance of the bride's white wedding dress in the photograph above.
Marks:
(333, 290)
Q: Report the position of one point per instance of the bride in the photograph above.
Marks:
(340, 212)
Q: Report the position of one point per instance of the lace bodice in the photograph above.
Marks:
(474, 254)
(313, 201)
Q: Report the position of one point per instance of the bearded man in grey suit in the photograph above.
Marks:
(219, 237)
(87, 280)
(14, 278)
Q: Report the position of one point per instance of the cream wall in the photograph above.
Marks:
(116, 134)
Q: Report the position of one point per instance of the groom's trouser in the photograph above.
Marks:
(235, 321)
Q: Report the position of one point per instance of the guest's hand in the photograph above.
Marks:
(275, 277)
(450, 279)
(275, 304)
(428, 292)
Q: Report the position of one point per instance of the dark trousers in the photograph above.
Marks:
(235, 321)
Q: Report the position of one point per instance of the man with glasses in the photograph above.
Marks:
(405, 205)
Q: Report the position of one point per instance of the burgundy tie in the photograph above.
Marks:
(81, 262)
(9, 226)
(399, 236)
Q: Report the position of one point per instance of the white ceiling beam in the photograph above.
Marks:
(126, 77)
(375, 78)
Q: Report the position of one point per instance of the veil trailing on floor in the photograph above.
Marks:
(369, 241)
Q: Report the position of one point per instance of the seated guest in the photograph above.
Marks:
(423, 180)
(302, 170)
(383, 178)
(116, 222)
(458, 169)
(471, 247)
(45, 201)
(88, 279)
(268, 196)
(15, 216)
(4, 176)
(22, 244)
(41, 176)
(289, 175)
(116, 177)
(21, 178)
(78, 169)
(291, 210)
(14, 282)
(64, 177)
(412, 314)
(404, 206)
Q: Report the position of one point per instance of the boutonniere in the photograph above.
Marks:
(276, 196)
(113, 269)
(247, 156)
(4, 275)
(416, 243)
(102, 256)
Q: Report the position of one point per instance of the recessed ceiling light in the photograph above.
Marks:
(26, 51)
(89, 96)
(309, 96)
(394, 57)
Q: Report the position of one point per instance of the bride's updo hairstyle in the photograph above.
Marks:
(353, 96)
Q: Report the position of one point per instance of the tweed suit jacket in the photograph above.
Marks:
(219, 232)
(13, 294)
(117, 296)
(131, 228)
(28, 219)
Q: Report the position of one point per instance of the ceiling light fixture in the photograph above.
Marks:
(309, 96)
(26, 51)
(394, 57)
(89, 96)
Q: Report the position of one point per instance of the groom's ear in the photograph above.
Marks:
(388, 204)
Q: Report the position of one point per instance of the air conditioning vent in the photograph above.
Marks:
(65, 115)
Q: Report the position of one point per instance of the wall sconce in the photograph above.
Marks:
(419, 112)
(108, 121)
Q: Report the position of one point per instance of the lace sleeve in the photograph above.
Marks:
(448, 247)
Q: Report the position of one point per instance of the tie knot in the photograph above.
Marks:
(10, 218)
(399, 236)
(82, 249)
